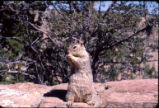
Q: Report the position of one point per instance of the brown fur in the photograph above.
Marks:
(80, 87)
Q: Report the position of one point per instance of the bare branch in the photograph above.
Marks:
(59, 12)
(109, 9)
(37, 28)
(129, 37)
(47, 34)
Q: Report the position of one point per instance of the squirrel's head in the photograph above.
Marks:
(77, 48)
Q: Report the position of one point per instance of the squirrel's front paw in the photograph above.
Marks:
(69, 56)
(90, 103)
(69, 104)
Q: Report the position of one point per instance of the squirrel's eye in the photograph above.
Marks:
(74, 47)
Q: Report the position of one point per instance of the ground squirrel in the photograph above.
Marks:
(80, 87)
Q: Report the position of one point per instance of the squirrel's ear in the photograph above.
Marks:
(81, 42)
(78, 41)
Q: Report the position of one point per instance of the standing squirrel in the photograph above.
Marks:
(80, 87)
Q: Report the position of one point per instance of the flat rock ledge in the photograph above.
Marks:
(139, 93)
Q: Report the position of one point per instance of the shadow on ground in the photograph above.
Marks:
(56, 93)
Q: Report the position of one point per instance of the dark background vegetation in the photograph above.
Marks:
(34, 40)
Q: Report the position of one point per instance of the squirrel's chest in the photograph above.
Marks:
(81, 84)
(80, 80)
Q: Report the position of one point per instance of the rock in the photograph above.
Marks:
(22, 94)
(141, 93)
(131, 93)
